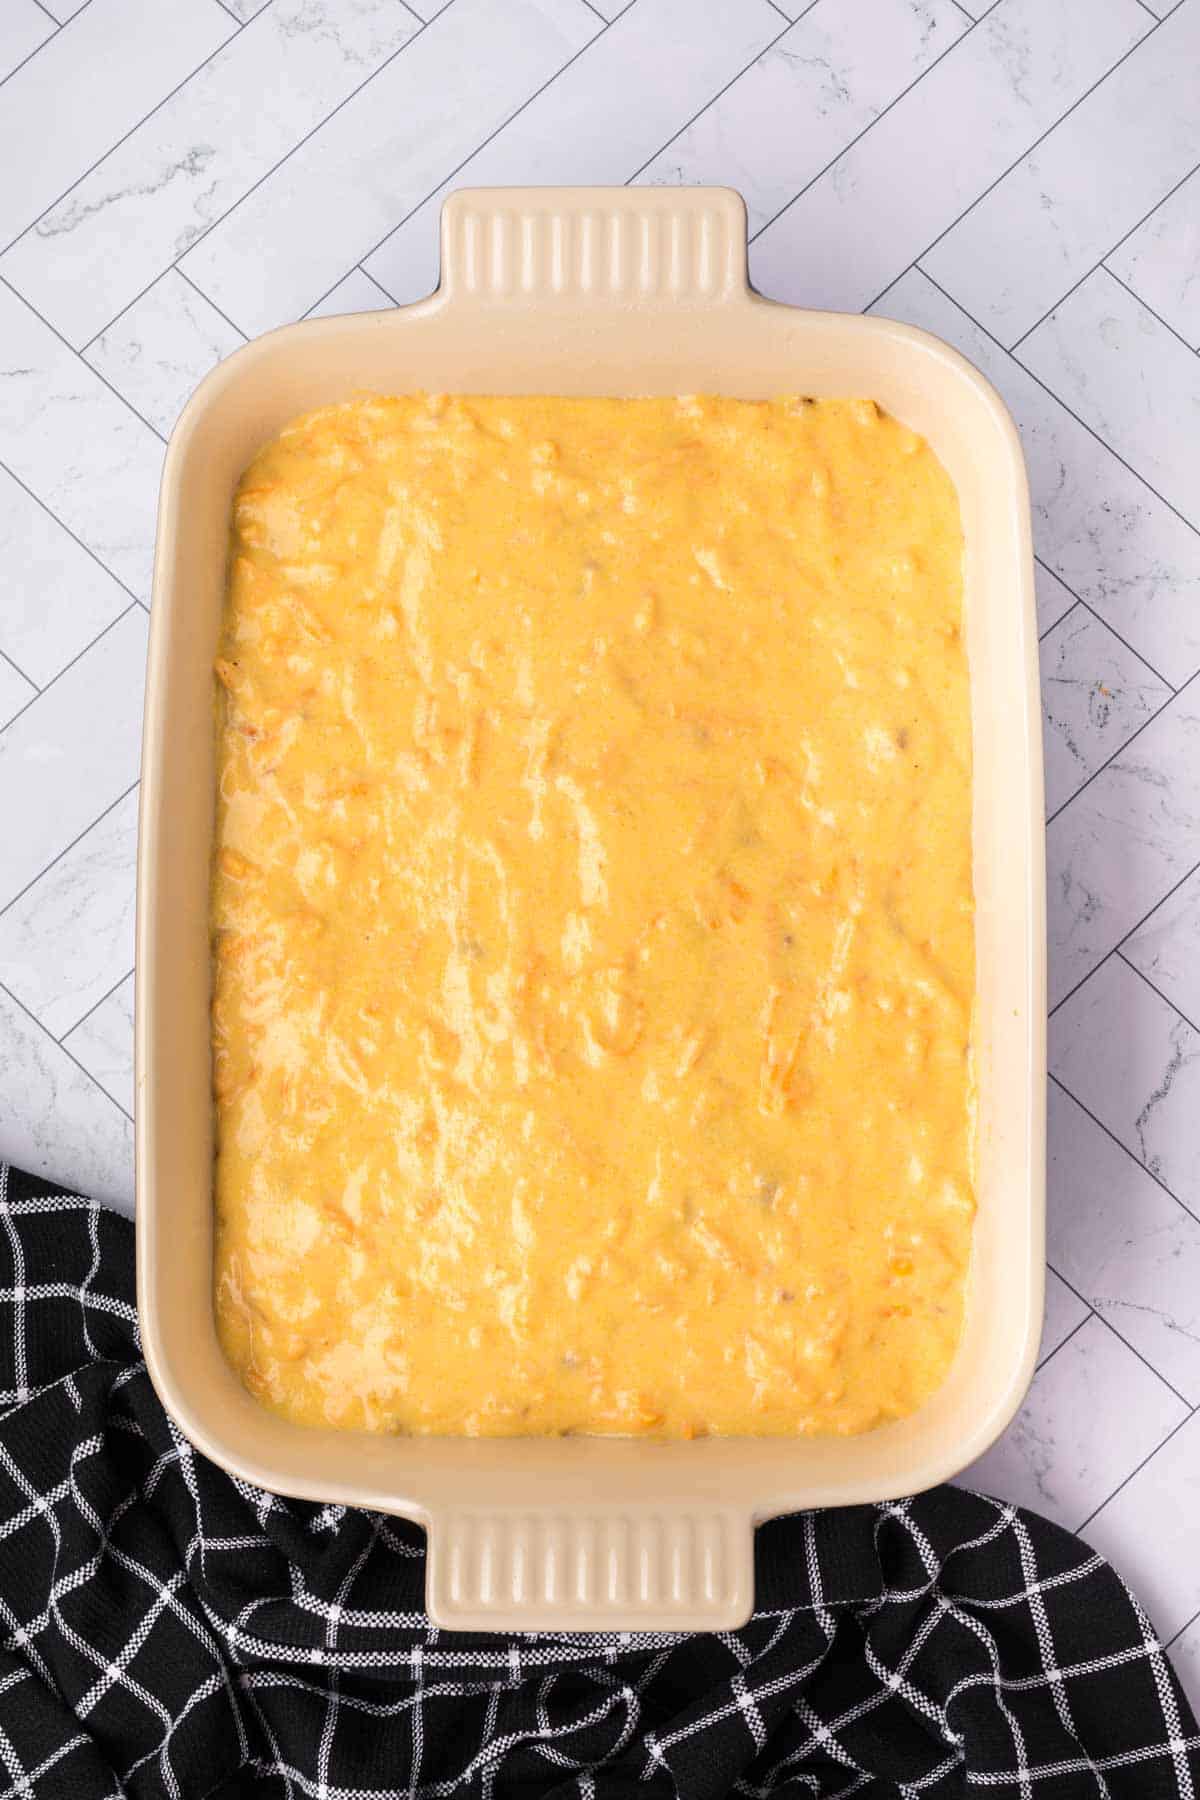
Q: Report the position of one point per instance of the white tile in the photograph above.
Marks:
(1085, 185)
(889, 196)
(87, 87)
(1095, 523)
(1167, 948)
(608, 9)
(15, 691)
(72, 753)
(1065, 1312)
(64, 597)
(1161, 260)
(63, 10)
(428, 10)
(1053, 599)
(601, 119)
(103, 1043)
(355, 293)
(1117, 848)
(85, 455)
(1133, 381)
(1185, 1659)
(1093, 1412)
(69, 937)
(23, 26)
(1130, 1249)
(804, 99)
(1134, 1062)
(161, 347)
(245, 10)
(188, 164)
(1095, 695)
(1148, 1531)
(57, 1122)
(376, 159)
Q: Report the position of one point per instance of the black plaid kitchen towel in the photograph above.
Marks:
(165, 1630)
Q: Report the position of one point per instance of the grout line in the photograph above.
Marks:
(83, 1019)
(1042, 136)
(774, 8)
(1098, 1312)
(1051, 310)
(1157, 1179)
(459, 167)
(67, 344)
(959, 7)
(5, 657)
(111, 626)
(1079, 1529)
(171, 269)
(712, 101)
(17, 67)
(600, 15)
(57, 23)
(1124, 939)
(1070, 412)
(213, 223)
(67, 1053)
(893, 282)
(1148, 9)
(319, 126)
(321, 298)
(111, 807)
(1142, 976)
(1121, 748)
(1109, 1326)
(1041, 561)
(240, 23)
(119, 141)
(367, 276)
(184, 276)
(1074, 607)
(74, 536)
(1101, 262)
(1051, 1354)
(1145, 305)
(1186, 1626)
(966, 209)
(1070, 1284)
(868, 127)
(1088, 607)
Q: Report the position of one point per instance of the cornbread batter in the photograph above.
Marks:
(592, 919)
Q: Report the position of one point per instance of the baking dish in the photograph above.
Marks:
(589, 291)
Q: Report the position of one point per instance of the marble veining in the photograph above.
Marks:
(1020, 177)
(1095, 694)
(800, 103)
(1160, 259)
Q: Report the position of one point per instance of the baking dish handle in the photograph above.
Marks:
(575, 1568)
(593, 247)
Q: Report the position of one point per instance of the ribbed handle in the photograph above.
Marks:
(578, 1570)
(594, 246)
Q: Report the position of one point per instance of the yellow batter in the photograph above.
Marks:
(592, 919)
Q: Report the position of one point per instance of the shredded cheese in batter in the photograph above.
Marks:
(592, 919)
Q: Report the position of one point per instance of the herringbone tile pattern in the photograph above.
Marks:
(1023, 178)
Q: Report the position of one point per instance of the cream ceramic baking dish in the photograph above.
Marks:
(589, 291)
